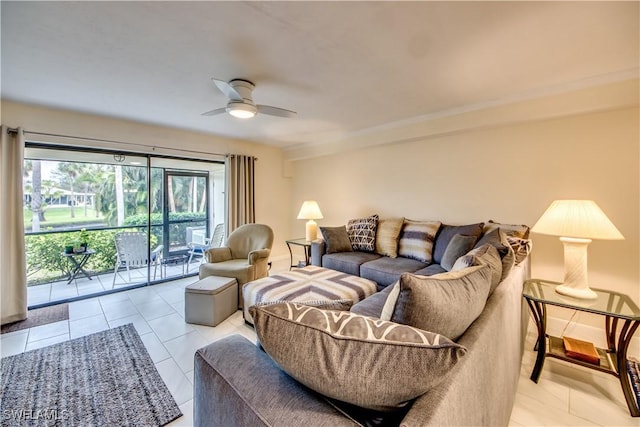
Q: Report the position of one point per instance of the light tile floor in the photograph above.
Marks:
(157, 312)
(566, 394)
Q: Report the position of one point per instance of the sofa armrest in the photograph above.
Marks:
(217, 254)
(237, 384)
(318, 248)
(257, 255)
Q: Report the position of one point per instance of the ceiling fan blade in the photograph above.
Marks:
(227, 89)
(214, 112)
(275, 111)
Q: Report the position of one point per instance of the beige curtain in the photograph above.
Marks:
(240, 191)
(13, 277)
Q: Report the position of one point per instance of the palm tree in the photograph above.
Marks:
(67, 172)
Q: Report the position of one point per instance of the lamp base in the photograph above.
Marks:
(311, 231)
(584, 293)
(575, 282)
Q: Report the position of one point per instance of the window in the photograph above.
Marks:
(76, 197)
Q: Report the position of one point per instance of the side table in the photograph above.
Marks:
(615, 307)
(307, 251)
(78, 260)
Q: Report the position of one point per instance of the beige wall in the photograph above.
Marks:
(273, 189)
(508, 173)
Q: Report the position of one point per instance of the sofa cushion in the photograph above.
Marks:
(445, 303)
(362, 233)
(447, 232)
(347, 262)
(498, 240)
(354, 358)
(385, 271)
(484, 255)
(459, 245)
(387, 236)
(336, 239)
(416, 240)
(430, 270)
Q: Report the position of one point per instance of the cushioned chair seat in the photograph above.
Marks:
(348, 262)
(237, 268)
(245, 256)
(386, 271)
(431, 270)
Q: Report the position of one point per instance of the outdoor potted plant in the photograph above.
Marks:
(81, 242)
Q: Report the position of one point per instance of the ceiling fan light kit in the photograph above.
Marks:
(241, 105)
(241, 110)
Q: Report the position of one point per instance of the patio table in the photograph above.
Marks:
(78, 260)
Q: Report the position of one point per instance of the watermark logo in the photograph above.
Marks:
(46, 414)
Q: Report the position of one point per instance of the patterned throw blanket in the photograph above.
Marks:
(310, 283)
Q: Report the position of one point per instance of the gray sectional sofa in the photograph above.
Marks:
(385, 270)
(236, 383)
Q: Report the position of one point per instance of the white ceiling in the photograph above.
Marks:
(344, 67)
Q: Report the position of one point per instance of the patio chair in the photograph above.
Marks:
(132, 252)
(244, 257)
(198, 248)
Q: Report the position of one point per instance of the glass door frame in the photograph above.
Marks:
(35, 144)
(166, 175)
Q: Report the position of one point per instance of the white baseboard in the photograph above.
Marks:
(583, 332)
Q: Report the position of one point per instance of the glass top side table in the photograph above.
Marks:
(614, 306)
(307, 250)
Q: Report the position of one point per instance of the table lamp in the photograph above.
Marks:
(310, 210)
(576, 222)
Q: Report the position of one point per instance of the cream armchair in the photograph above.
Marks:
(245, 256)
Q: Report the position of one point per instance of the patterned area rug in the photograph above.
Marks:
(39, 316)
(103, 379)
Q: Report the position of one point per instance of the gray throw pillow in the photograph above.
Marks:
(447, 232)
(459, 245)
(498, 240)
(484, 255)
(444, 303)
(354, 358)
(336, 239)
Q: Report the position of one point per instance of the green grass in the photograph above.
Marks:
(62, 215)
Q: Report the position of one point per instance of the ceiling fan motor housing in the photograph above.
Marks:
(244, 89)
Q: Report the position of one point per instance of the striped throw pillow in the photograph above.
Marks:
(416, 240)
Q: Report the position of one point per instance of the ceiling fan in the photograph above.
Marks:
(241, 104)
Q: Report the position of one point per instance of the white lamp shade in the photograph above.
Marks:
(310, 210)
(576, 218)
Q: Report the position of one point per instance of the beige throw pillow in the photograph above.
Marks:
(387, 236)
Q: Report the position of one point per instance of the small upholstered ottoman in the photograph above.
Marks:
(211, 300)
(310, 283)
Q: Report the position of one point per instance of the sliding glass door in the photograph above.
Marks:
(99, 221)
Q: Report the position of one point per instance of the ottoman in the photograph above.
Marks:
(211, 300)
(310, 283)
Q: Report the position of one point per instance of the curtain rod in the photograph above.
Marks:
(153, 147)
